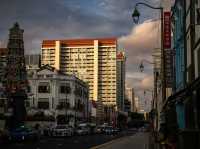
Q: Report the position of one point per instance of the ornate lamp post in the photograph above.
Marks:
(135, 17)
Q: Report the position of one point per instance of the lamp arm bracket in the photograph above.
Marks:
(141, 3)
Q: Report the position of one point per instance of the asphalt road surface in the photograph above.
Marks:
(137, 141)
(75, 142)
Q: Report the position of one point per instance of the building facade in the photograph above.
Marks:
(130, 96)
(58, 95)
(92, 60)
(182, 107)
(121, 74)
(3, 59)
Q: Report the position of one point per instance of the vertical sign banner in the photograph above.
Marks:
(167, 30)
(168, 52)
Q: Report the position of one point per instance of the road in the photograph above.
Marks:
(75, 142)
(138, 141)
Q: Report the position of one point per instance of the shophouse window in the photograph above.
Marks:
(49, 76)
(28, 89)
(44, 88)
(43, 105)
(40, 76)
(65, 89)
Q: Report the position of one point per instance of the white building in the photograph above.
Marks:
(57, 94)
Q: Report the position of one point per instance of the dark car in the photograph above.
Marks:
(116, 130)
(23, 133)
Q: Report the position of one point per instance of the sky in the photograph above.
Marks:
(63, 19)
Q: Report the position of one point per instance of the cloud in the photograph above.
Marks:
(147, 82)
(138, 45)
(142, 39)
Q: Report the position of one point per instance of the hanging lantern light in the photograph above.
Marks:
(136, 15)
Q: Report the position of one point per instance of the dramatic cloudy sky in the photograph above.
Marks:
(60, 19)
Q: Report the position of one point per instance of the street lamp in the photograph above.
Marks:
(135, 17)
(136, 13)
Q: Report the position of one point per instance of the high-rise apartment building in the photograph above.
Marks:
(121, 74)
(131, 98)
(92, 60)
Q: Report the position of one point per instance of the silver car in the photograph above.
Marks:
(62, 131)
(82, 130)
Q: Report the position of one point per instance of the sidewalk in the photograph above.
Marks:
(138, 141)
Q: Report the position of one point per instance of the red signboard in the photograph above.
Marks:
(167, 30)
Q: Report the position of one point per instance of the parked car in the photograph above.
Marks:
(82, 130)
(23, 133)
(116, 130)
(62, 131)
(109, 130)
(99, 129)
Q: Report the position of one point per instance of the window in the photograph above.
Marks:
(28, 89)
(30, 74)
(198, 15)
(65, 89)
(1, 103)
(43, 105)
(49, 76)
(27, 104)
(44, 88)
(40, 76)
